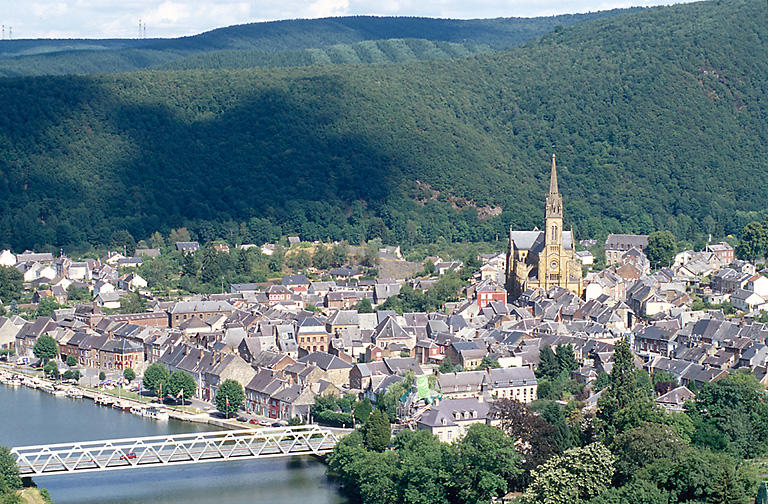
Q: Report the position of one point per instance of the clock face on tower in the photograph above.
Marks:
(553, 265)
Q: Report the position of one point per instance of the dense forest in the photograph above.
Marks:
(284, 43)
(659, 119)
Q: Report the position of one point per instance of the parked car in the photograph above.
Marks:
(128, 456)
(277, 424)
(253, 421)
(242, 419)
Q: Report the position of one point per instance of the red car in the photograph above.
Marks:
(128, 456)
(253, 421)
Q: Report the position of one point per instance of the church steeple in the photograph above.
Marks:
(553, 177)
(554, 200)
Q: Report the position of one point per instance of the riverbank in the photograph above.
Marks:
(120, 399)
(30, 417)
(34, 495)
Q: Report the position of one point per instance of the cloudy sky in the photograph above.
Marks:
(172, 18)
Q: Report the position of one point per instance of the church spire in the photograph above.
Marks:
(554, 206)
(553, 177)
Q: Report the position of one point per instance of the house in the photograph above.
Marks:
(491, 291)
(383, 291)
(312, 335)
(109, 300)
(723, 251)
(187, 247)
(147, 252)
(7, 259)
(758, 284)
(617, 244)
(120, 354)
(655, 340)
(221, 367)
(449, 419)
(518, 383)
(27, 336)
(32, 257)
(132, 282)
(463, 384)
(9, 328)
(585, 257)
(342, 319)
(296, 283)
(184, 310)
(747, 301)
(674, 400)
(277, 294)
(336, 369)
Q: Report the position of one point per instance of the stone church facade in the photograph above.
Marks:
(544, 259)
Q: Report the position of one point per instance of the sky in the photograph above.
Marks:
(174, 18)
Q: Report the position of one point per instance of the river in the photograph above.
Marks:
(30, 417)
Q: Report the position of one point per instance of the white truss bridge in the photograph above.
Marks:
(155, 451)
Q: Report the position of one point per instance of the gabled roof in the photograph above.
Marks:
(325, 361)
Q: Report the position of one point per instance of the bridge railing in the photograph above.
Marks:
(175, 449)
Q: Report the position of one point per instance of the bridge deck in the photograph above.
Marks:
(131, 453)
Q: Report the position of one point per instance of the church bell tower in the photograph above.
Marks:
(552, 267)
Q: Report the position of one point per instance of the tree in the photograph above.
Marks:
(487, 464)
(75, 293)
(362, 410)
(624, 404)
(123, 241)
(211, 271)
(701, 476)
(446, 366)
(156, 240)
(322, 258)
(365, 306)
(11, 284)
(71, 361)
(487, 362)
(102, 376)
(182, 383)
(339, 254)
(129, 374)
(377, 432)
(536, 440)
(10, 479)
(155, 377)
(51, 369)
(549, 365)
(427, 468)
(753, 241)
(45, 348)
(133, 302)
(68, 375)
(299, 260)
(762, 494)
(429, 268)
(574, 477)
(636, 492)
(661, 248)
(732, 414)
(566, 359)
(179, 235)
(46, 306)
(229, 397)
(189, 266)
(643, 445)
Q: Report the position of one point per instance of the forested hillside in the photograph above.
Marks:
(659, 119)
(283, 43)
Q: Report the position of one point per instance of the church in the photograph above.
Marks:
(544, 259)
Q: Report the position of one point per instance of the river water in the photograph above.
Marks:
(29, 417)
